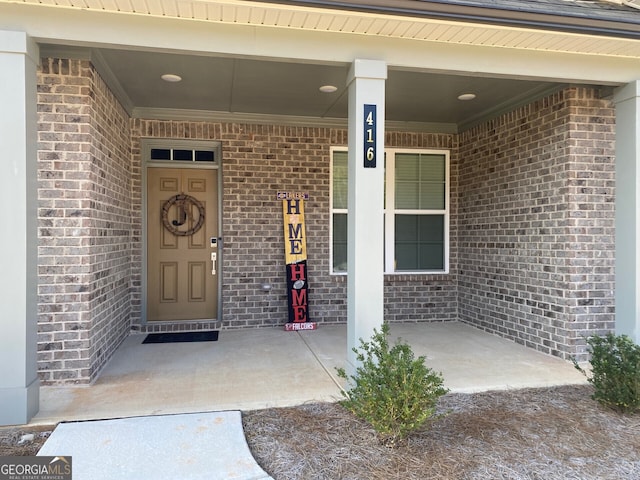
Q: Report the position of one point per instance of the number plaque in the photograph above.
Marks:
(370, 126)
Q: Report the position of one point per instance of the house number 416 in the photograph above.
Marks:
(370, 136)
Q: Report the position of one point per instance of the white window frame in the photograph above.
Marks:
(389, 223)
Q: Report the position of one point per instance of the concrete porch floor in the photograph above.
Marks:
(261, 368)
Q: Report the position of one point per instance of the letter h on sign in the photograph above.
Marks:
(293, 207)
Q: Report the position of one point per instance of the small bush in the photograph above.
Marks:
(393, 391)
(615, 371)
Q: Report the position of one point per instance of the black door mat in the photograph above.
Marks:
(210, 336)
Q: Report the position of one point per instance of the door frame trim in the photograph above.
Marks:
(147, 143)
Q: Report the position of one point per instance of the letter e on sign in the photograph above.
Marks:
(370, 126)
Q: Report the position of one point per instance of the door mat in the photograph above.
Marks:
(209, 336)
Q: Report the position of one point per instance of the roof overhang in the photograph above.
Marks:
(439, 22)
(567, 16)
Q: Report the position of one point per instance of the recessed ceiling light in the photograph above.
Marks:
(466, 96)
(328, 88)
(170, 77)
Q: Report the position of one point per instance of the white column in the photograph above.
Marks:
(627, 101)
(365, 270)
(19, 386)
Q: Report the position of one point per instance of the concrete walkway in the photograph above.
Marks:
(245, 370)
(168, 447)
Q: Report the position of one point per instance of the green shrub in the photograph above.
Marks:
(615, 371)
(393, 391)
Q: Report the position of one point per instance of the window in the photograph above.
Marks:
(416, 211)
(182, 155)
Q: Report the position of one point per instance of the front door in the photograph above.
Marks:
(182, 263)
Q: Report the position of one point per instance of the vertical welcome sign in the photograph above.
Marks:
(295, 253)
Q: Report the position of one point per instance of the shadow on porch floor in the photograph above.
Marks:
(260, 368)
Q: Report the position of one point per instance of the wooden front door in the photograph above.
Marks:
(182, 266)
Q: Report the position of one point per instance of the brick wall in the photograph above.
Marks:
(111, 229)
(83, 214)
(536, 222)
(260, 160)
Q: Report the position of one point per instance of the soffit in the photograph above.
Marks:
(273, 15)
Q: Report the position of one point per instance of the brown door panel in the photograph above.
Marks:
(180, 282)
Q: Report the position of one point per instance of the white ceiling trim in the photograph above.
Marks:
(270, 119)
(237, 12)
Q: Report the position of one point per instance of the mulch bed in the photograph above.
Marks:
(23, 441)
(551, 433)
(546, 434)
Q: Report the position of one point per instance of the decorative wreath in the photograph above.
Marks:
(184, 204)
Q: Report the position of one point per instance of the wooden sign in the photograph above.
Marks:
(295, 253)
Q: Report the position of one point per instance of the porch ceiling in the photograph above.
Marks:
(250, 89)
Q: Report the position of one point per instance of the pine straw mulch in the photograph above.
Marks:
(23, 441)
(549, 433)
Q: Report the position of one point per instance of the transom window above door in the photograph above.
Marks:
(181, 153)
(416, 211)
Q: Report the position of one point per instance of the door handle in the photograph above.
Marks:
(214, 258)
